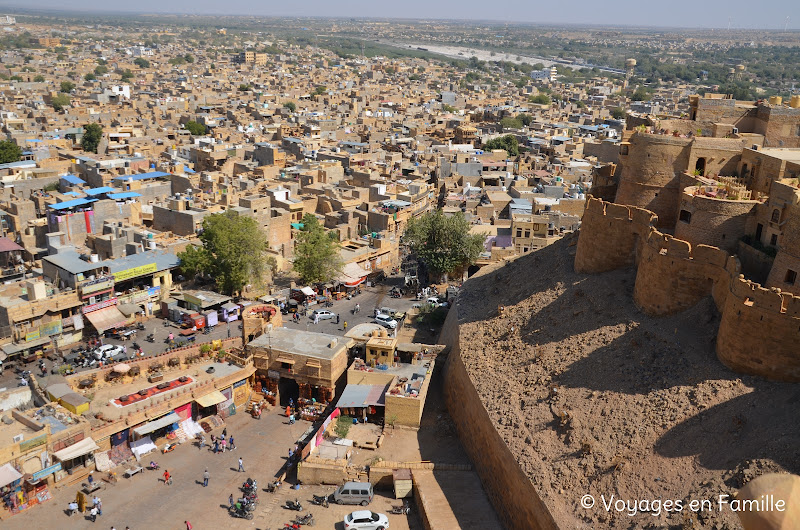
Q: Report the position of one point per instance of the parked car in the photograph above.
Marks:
(107, 351)
(365, 520)
(323, 314)
(385, 321)
(353, 493)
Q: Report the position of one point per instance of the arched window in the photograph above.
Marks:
(776, 215)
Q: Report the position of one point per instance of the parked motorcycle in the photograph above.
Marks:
(151, 338)
(307, 519)
(169, 448)
(293, 505)
(250, 484)
(240, 512)
(247, 505)
(320, 500)
(140, 326)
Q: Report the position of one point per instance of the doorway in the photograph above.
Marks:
(288, 389)
(700, 167)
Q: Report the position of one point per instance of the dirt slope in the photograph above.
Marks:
(594, 397)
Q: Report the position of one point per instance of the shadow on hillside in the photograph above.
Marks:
(761, 424)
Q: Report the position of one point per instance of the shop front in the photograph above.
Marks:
(207, 404)
(11, 488)
(158, 429)
(76, 456)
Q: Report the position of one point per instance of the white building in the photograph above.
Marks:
(545, 74)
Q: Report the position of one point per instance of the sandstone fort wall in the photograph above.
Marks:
(510, 491)
(759, 327)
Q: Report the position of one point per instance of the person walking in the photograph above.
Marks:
(206, 476)
(167, 478)
(188, 525)
(230, 500)
(224, 433)
(337, 318)
(230, 443)
(222, 445)
(241, 465)
(93, 514)
(345, 325)
(202, 442)
(216, 446)
(291, 418)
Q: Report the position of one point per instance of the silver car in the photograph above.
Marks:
(365, 520)
(385, 321)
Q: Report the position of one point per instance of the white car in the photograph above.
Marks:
(365, 520)
(323, 314)
(385, 321)
(107, 351)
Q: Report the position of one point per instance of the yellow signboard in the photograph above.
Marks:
(127, 274)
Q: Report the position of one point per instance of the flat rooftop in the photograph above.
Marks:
(104, 395)
(299, 342)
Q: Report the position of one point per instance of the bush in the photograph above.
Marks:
(342, 427)
(540, 99)
(205, 348)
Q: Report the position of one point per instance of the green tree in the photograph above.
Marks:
(316, 253)
(511, 123)
(102, 62)
(443, 242)
(16, 78)
(9, 152)
(177, 61)
(507, 142)
(127, 75)
(640, 94)
(90, 77)
(290, 105)
(189, 58)
(618, 113)
(92, 134)
(67, 86)
(141, 62)
(244, 87)
(321, 89)
(38, 79)
(197, 129)
(233, 252)
(448, 108)
(59, 102)
(540, 99)
(100, 70)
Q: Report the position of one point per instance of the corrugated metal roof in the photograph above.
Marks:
(143, 176)
(72, 179)
(124, 195)
(70, 204)
(99, 191)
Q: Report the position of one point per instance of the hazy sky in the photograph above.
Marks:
(683, 13)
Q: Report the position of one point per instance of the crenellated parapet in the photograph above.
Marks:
(759, 329)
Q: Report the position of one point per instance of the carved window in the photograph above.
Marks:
(791, 277)
(685, 216)
(776, 216)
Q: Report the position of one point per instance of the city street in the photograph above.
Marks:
(369, 299)
(144, 501)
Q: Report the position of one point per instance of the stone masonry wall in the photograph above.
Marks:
(510, 491)
(759, 328)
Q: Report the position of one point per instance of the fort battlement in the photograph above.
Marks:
(759, 327)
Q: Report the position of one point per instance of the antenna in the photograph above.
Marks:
(786, 25)
(729, 23)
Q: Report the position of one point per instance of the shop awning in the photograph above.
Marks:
(14, 348)
(8, 475)
(287, 360)
(214, 398)
(129, 309)
(352, 275)
(147, 428)
(230, 306)
(106, 318)
(75, 450)
(308, 291)
(359, 396)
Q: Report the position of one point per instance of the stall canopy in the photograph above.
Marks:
(107, 318)
(147, 428)
(75, 450)
(352, 275)
(358, 396)
(308, 291)
(129, 309)
(214, 398)
(8, 475)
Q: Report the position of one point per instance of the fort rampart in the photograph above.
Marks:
(511, 492)
(759, 327)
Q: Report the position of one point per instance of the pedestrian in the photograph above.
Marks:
(291, 419)
(213, 438)
(124, 350)
(296, 448)
(222, 445)
(96, 504)
(241, 465)
(167, 478)
(316, 319)
(93, 514)
(230, 443)
(230, 500)
(337, 319)
(291, 454)
(188, 525)
(224, 433)
(216, 446)
(345, 325)
(90, 479)
(202, 441)
(205, 478)
(229, 331)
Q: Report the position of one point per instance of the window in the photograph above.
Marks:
(773, 240)
(527, 233)
(519, 232)
(685, 216)
(286, 366)
(791, 277)
(776, 215)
